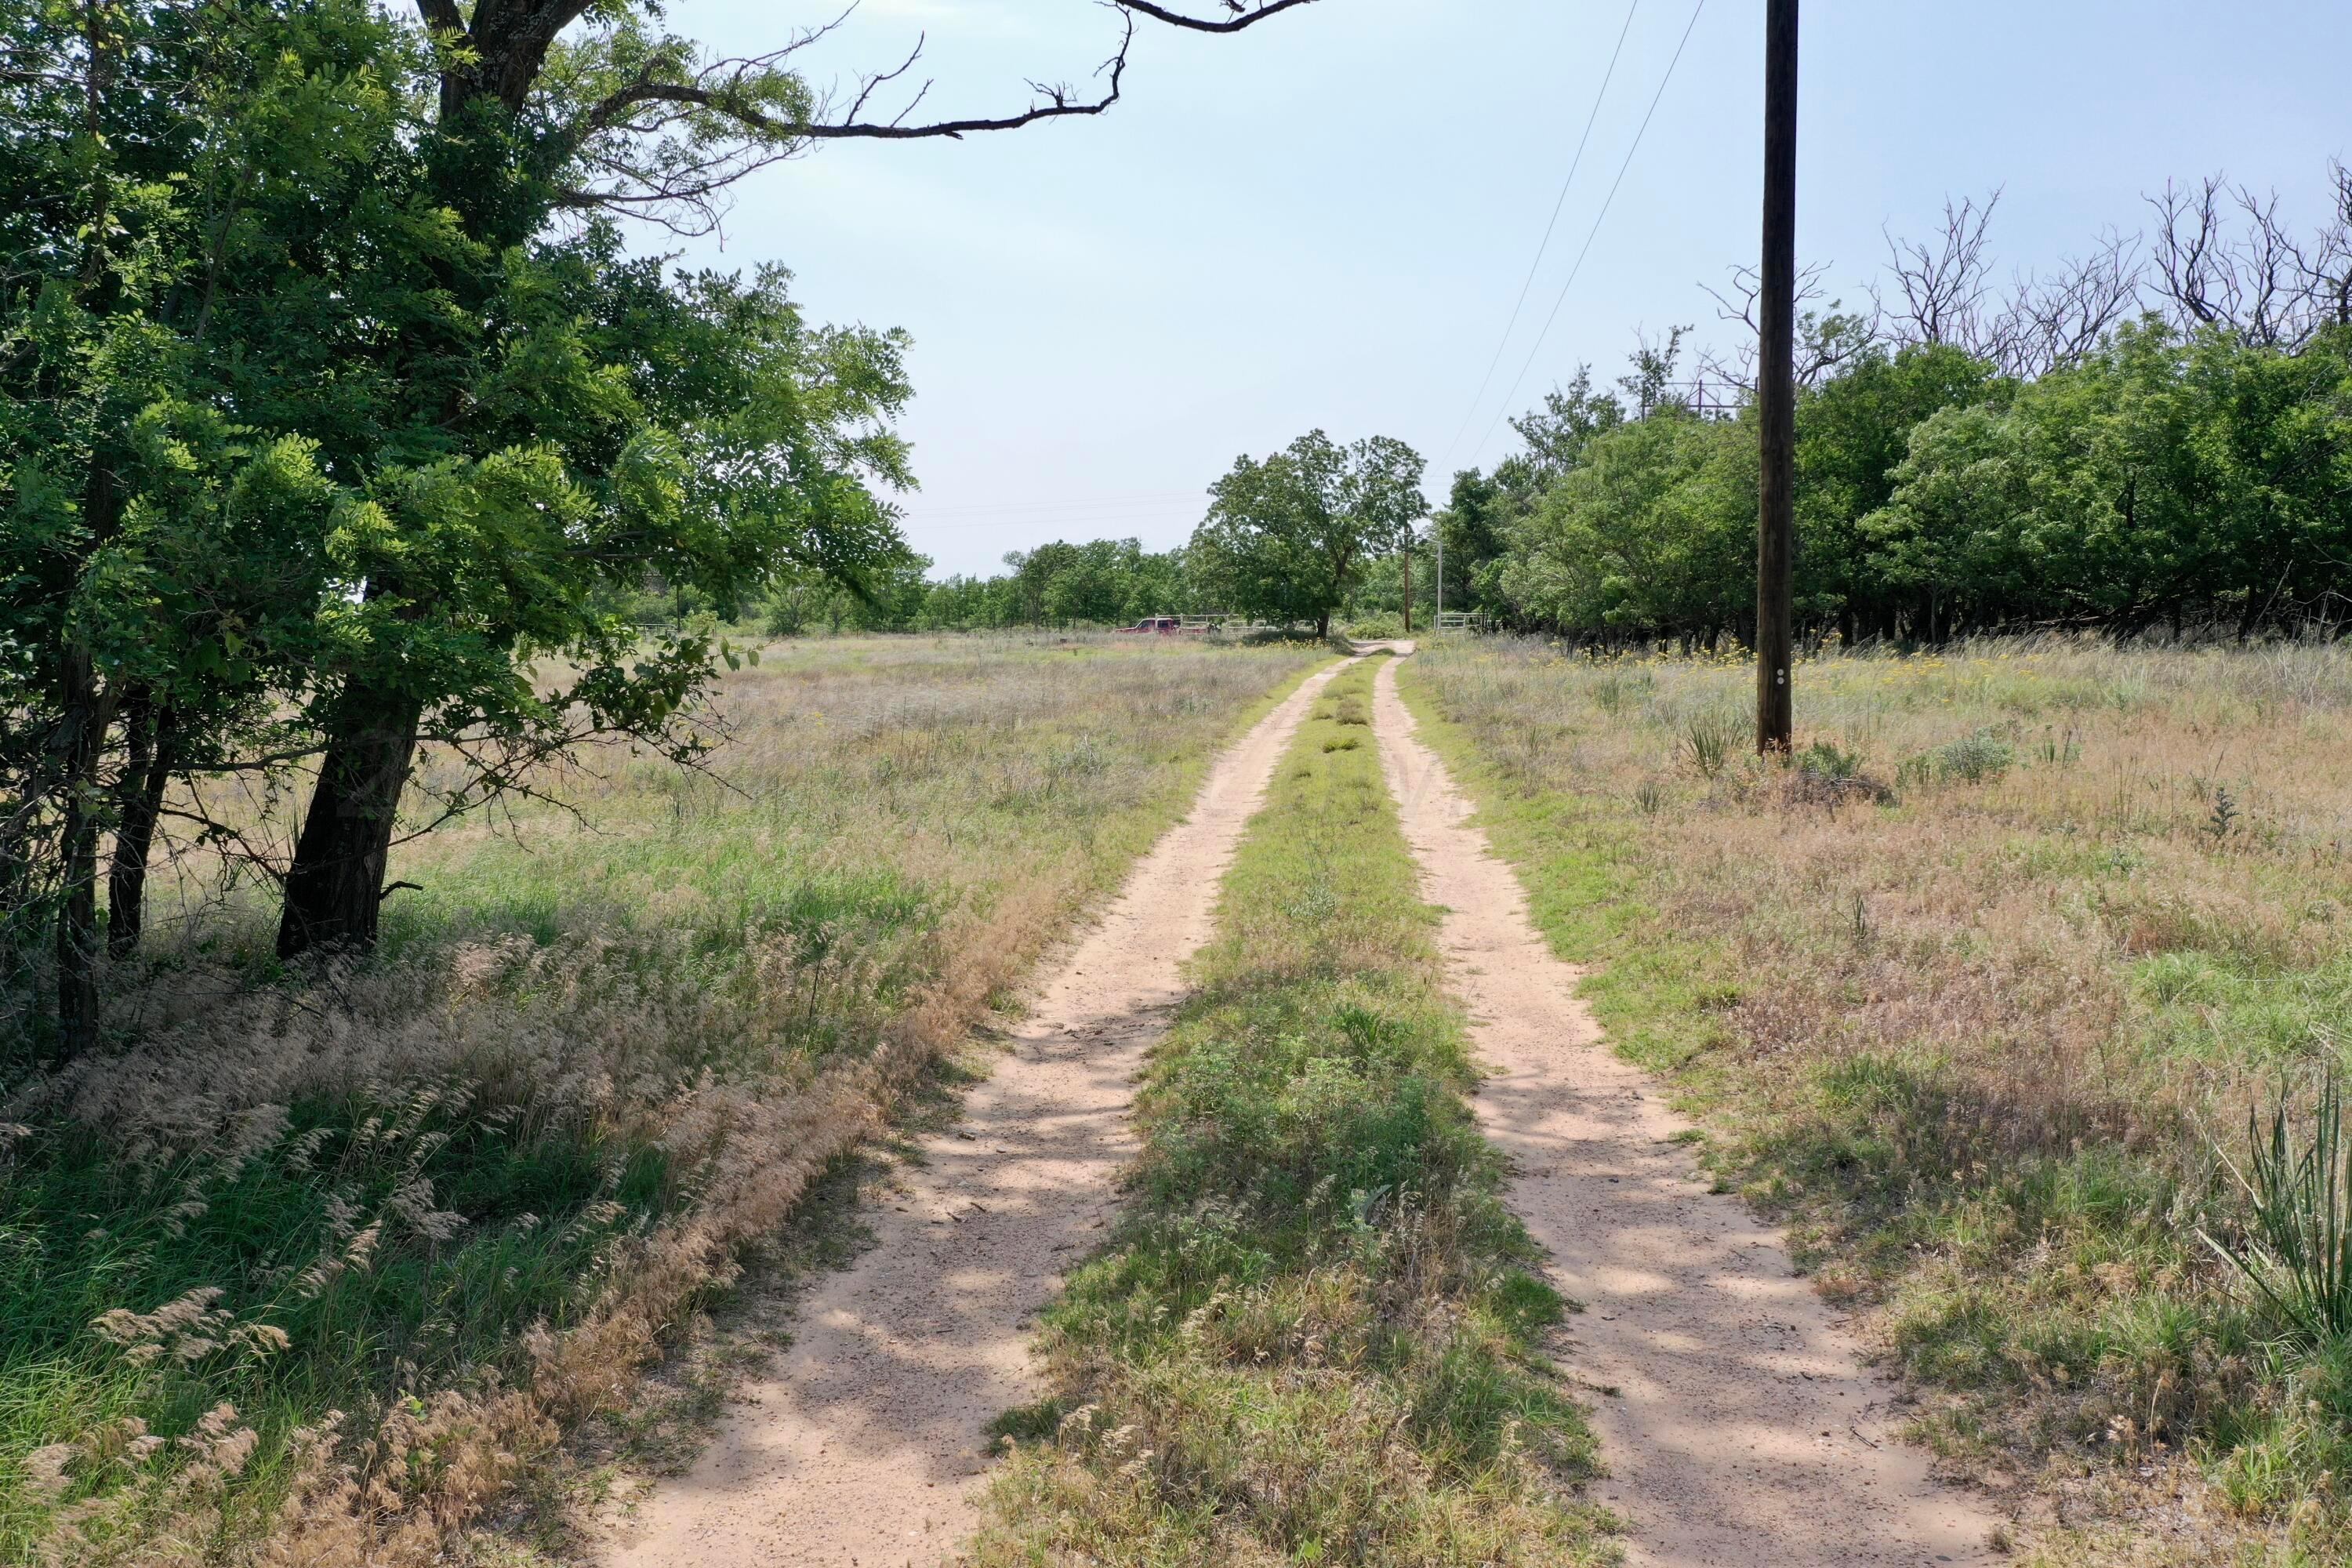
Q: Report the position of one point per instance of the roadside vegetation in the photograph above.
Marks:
(462, 1193)
(1316, 1334)
(1977, 992)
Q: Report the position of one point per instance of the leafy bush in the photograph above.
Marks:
(1826, 762)
(1976, 758)
(1980, 757)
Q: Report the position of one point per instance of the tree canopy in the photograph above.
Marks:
(1286, 538)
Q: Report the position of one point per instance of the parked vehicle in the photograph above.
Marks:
(1164, 627)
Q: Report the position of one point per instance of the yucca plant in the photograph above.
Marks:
(2298, 1250)
(1707, 739)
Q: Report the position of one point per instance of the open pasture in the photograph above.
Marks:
(1976, 995)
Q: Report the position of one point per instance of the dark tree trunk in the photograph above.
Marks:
(335, 887)
(82, 738)
(145, 775)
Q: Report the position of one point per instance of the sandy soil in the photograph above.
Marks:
(863, 1445)
(1740, 1427)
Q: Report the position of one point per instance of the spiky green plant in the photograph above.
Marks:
(2298, 1250)
(1707, 739)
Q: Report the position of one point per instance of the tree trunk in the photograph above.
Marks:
(1323, 626)
(146, 774)
(335, 887)
(1404, 565)
(82, 738)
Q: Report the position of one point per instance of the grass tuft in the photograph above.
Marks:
(2296, 1248)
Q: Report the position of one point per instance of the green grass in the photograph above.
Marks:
(503, 1121)
(1317, 1335)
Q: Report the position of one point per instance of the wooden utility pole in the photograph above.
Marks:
(1776, 391)
(1404, 561)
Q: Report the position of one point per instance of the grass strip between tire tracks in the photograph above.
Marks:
(1316, 1334)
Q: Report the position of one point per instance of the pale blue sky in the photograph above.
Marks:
(1324, 221)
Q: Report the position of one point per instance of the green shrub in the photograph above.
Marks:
(1981, 756)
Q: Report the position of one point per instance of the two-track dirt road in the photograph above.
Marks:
(1738, 1426)
(863, 1444)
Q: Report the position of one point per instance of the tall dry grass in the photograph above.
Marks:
(314, 1266)
(1977, 993)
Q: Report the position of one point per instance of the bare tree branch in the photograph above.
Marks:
(2053, 321)
(1243, 15)
(666, 144)
(1826, 340)
(1944, 282)
(2332, 256)
(2224, 257)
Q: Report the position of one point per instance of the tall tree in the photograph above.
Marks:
(1286, 538)
(159, 555)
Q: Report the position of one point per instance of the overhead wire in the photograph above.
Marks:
(1543, 246)
(1598, 219)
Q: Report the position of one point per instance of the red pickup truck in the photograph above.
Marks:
(1161, 626)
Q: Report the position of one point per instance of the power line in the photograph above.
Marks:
(1543, 246)
(1595, 234)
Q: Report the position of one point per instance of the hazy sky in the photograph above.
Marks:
(1324, 221)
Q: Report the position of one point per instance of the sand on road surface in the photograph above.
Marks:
(865, 1444)
(1742, 1431)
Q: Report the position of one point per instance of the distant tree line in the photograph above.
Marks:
(1293, 540)
(2158, 435)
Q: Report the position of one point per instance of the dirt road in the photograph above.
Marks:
(863, 1444)
(1739, 1428)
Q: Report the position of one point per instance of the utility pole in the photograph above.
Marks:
(1776, 391)
(1437, 537)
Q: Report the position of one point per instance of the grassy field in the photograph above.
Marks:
(1314, 1336)
(461, 1195)
(1978, 995)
